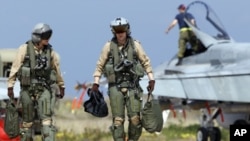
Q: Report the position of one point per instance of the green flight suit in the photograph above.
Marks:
(37, 98)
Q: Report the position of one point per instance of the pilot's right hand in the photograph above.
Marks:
(10, 92)
(95, 87)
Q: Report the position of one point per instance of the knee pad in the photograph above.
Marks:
(27, 124)
(47, 121)
(118, 121)
(117, 129)
(135, 120)
(135, 128)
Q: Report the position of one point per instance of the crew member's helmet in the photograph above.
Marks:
(120, 25)
(41, 31)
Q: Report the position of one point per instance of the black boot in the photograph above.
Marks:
(179, 62)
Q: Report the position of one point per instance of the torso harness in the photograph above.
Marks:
(35, 74)
(123, 67)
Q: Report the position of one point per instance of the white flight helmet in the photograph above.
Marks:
(119, 25)
(41, 31)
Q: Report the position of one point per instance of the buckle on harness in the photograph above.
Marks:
(123, 64)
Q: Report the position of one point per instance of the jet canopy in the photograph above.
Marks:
(207, 20)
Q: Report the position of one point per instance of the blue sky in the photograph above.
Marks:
(81, 27)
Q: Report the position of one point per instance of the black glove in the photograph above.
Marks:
(95, 87)
(151, 85)
(10, 92)
(62, 89)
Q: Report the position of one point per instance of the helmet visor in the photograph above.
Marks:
(46, 35)
(120, 29)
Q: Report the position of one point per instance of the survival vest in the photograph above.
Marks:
(36, 68)
(123, 66)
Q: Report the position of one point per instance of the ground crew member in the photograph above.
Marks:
(123, 62)
(186, 34)
(37, 67)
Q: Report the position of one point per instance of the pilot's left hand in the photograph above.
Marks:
(95, 87)
(151, 85)
(10, 92)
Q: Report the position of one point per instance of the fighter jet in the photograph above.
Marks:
(214, 80)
